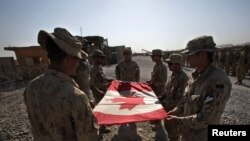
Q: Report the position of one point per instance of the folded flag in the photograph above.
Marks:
(126, 102)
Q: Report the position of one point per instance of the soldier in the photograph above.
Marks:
(228, 61)
(159, 74)
(83, 76)
(127, 69)
(158, 81)
(83, 79)
(98, 81)
(206, 95)
(236, 57)
(222, 59)
(174, 91)
(57, 108)
(241, 67)
(83, 72)
(215, 58)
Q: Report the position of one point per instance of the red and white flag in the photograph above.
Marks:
(126, 102)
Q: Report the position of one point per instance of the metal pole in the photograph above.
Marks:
(81, 31)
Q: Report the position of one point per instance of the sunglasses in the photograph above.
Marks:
(170, 63)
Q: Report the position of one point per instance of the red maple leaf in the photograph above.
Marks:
(129, 102)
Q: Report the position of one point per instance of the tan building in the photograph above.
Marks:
(31, 61)
(29, 56)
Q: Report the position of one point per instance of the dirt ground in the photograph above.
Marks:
(14, 124)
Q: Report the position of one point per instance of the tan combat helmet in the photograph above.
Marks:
(127, 50)
(156, 52)
(98, 53)
(202, 43)
(175, 58)
(64, 40)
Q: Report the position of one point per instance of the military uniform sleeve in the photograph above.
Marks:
(180, 89)
(214, 102)
(176, 95)
(93, 85)
(83, 119)
(180, 106)
(101, 81)
(162, 79)
(95, 90)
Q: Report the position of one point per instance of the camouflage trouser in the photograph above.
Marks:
(172, 129)
(241, 72)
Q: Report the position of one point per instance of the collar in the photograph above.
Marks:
(160, 62)
(196, 74)
(62, 76)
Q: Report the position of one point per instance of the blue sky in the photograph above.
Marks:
(147, 24)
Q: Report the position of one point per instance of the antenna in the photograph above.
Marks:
(81, 31)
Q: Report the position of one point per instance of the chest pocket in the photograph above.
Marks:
(195, 103)
(127, 71)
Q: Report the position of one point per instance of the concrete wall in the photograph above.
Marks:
(7, 65)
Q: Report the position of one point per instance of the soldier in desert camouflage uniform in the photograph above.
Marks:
(98, 81)
(228, 61)
(174, 92)
(83, 76)
(127, 69)
(159, 74)
(242, 66)
(236, 57)
(221, 56)
(215, 58)
(205, 96)
(83, 79)
(158, 81)
(57, 108)
(83, 73)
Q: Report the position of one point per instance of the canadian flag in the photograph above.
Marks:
(126, 102)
